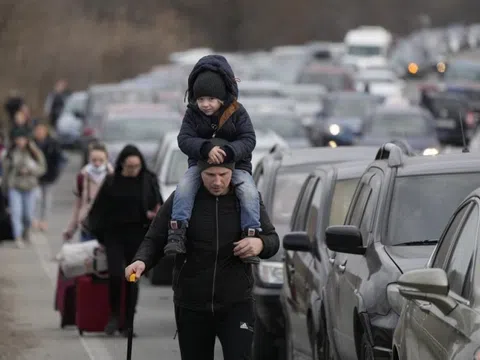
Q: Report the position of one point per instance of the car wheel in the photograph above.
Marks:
(322, 344)
(366, 349)
(264, 343)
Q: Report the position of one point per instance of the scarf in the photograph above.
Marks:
(97, 174)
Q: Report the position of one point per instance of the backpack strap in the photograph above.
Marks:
(234, 106)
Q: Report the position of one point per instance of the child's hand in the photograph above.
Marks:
(216, 155)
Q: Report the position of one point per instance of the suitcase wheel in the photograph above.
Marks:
(80, 331)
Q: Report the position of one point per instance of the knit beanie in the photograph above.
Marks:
(209, 84)
(204, 165)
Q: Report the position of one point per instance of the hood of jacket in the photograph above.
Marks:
(219, 64)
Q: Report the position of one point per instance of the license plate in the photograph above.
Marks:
(447, 123)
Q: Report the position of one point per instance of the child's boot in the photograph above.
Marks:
(177, 236)
(248, 232)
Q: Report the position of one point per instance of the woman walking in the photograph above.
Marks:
(120, 216)
(87, 183)
(23, 165)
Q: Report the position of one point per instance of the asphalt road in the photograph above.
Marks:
(29, 325)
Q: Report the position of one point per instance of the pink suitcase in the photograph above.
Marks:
(65, 299)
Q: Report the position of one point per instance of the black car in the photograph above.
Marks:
(279, 177)
(396, 217)
(453, 113)
(341, 118)
(324, 200)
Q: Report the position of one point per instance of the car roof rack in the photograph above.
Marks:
(393, 153)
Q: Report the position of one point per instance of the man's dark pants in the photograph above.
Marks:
(233, 326)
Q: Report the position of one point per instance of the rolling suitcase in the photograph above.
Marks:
(65, 299)
(92, 304)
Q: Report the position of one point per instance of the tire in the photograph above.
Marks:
(366, 349)
(264, 343)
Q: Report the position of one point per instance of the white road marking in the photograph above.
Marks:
(94, 347)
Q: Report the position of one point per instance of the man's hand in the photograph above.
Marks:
(137, 268)
(216, 155)
(248, 247)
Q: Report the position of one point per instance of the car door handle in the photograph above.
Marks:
(331, 260)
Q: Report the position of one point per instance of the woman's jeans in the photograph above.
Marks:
(245, 189)
(22, 207)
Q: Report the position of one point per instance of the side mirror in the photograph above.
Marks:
(427, 285)
(297, 241)
(345, 239)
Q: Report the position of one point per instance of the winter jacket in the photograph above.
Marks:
(208, 277)
(85, 190)
(232, 122)
(105, 213)
(30, 159)
(54, 157)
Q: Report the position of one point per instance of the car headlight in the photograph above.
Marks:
(395, 300)
(271, 272)
(430, 152)
(334, 129)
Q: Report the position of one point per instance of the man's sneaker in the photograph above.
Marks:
(177, 236)
(112, 326)
(250, 233)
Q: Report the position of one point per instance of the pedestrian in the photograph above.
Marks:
(55, 160)
(23, 165)
(20, 122)
(211, 282)
(120, 215)
(56, 101)
(13, 104)
(87, 183)
(213, 112)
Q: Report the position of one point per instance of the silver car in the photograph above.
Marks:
(441, 307)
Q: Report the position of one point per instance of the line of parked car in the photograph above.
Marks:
(352, 229)
(354, 279)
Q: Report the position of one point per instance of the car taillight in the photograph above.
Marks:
(470, 119)
(88, 132)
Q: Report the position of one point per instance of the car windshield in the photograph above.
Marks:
(399, 124)
(287, 126)
(462, 72)
(342, 197)
(101, 100)
(136, 128)
(364, 50)
(262, 93)
(331, 81)
(350, 106)
(421, 205)
(177, 167)
(287, 188)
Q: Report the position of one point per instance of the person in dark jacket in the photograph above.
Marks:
(20, 121)
(55, 101)
(119, 218)
(213, 112)
(212, 285)
(13, 104)
(56, 161)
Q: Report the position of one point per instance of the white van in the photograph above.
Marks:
(367, 46)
